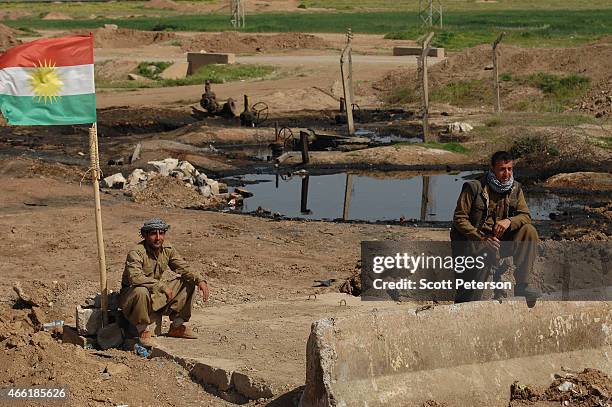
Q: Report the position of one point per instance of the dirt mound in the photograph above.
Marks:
(7, 37)
(169, 192)
(475, 64)
(56, 16)
(13, 14)
(590, 60)
(25, 167)
(167, 5)
(127, 38)
(31, 357)
(113, 69)
(243, 43)
(581, 180)
(590, 387)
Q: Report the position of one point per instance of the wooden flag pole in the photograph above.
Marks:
(95, 178)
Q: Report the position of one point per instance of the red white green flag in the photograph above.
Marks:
(49, 81)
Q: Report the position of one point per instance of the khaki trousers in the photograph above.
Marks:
(521, 244)
(140, 307)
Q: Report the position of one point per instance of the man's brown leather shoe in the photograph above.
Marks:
(182, 331)
(146, 340)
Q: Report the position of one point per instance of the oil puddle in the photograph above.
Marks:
(369, 196)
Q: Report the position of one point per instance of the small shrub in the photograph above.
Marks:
(302, 5)
(533, 147)
(402, 95)
(152, 70)
(493, 122)
(506, 77)
(560, 86)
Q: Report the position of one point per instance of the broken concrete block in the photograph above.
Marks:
(220, 378)
(134, 77)
(88, 320)
(136, 177)
(243, 191)
(214, 186)
(70, 335)
(251, 388)
(197, 60)
(200, 179)
(165, 167)
(223, 188)
(110, 336)
(186, 168)
(205, 191)
(136, 154)
(95, 301)
(113, 181)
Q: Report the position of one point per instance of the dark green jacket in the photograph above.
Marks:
(472, 210)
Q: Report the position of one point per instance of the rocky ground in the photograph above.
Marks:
(49, 231)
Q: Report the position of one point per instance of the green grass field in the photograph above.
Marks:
(462, 28)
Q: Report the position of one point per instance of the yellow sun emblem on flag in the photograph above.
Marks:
(46, 82)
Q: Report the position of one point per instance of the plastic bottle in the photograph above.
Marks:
(141, 350)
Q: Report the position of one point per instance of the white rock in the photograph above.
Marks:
(114, 181)
(88, 320)
(186, 168)
(200, 180)
(214, 186)
(205, 191)
(165, 167)
(565, 386)
(111, 26)
(136, 177)
(460, 127)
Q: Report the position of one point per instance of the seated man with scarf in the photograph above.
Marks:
(145, 297)
(492, 217)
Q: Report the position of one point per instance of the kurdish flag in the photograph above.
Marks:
(49, 81)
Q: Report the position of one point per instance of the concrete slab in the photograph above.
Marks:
(403, 51)
(466, 354)
(196, 60)
(177, 70)
(257, 350)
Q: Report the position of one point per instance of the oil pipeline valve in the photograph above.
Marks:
(210, 104)
(253, 116)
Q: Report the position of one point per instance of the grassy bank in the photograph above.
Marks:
(462, 28)
(214, 73)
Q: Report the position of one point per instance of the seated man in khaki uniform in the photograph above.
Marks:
(493, 211)
(144, 298)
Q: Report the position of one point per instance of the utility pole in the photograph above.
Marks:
(430, 13)
(237, 10)
(425, 47)
(346, 71)
(496, 73)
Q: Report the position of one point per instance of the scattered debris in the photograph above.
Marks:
(590, 387)
(136, 154)
(460, 127)
(116, 181)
